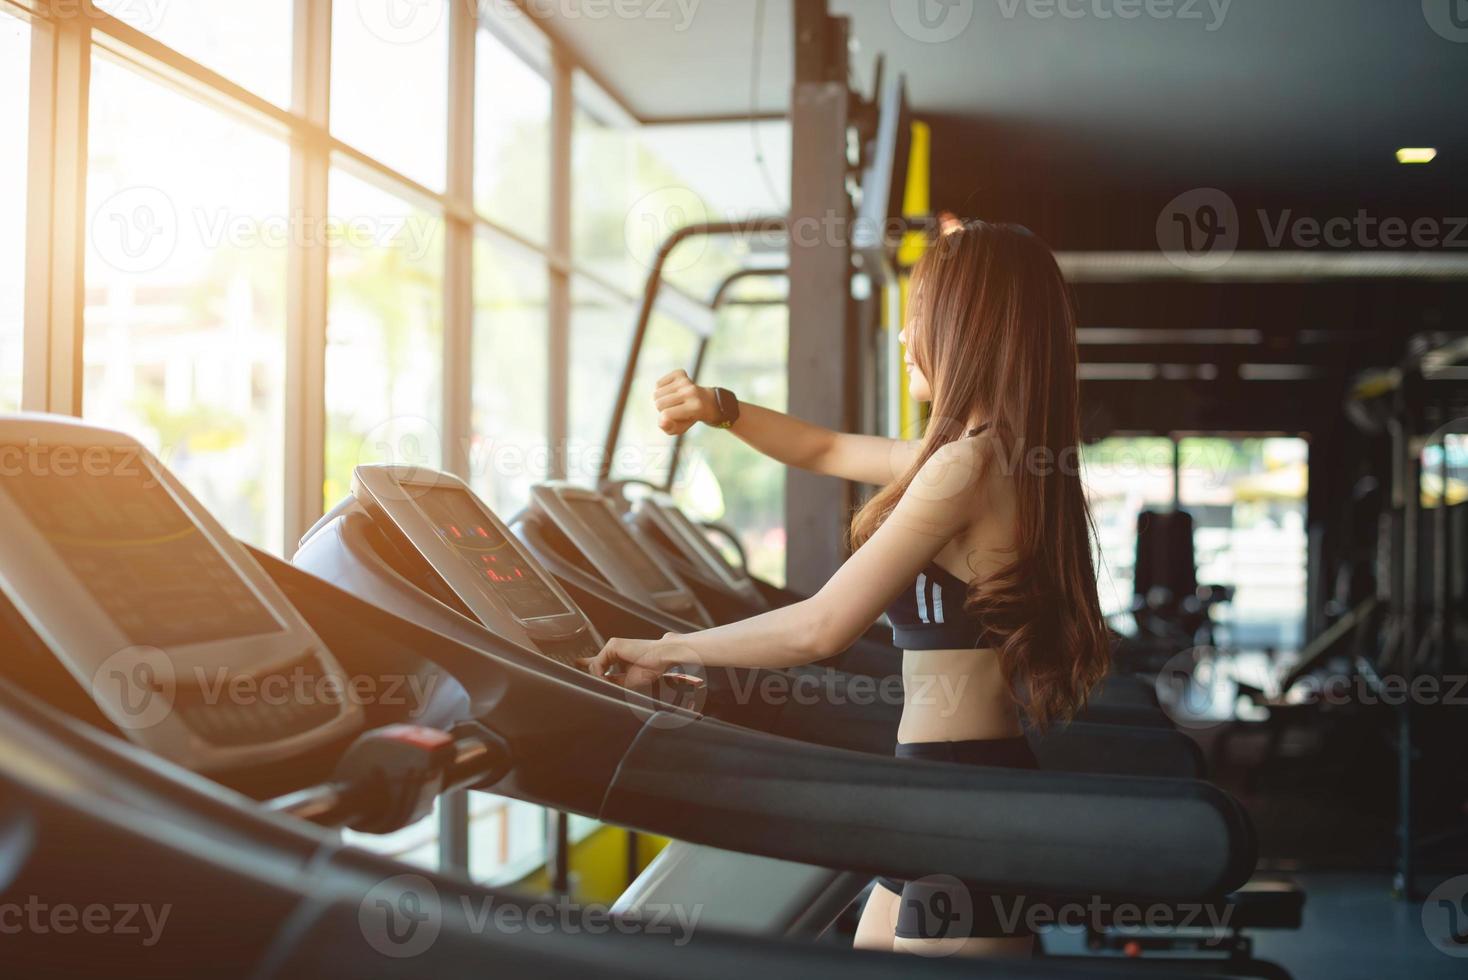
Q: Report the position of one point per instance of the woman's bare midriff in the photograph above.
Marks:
(955, 696)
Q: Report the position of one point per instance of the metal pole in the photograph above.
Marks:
(1408, 463)
(823, 348)
(453, 832)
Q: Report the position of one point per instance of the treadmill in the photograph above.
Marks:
(122, 594)
(385, 544)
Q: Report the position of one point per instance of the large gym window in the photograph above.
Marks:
(185, 292)
(1247, 500)
(1123, 477)
(644, 452)
(512, 107)
(723, 479)
(389, 84)
(248, 43)
(508, 448)
(384, 333)
(601, 329)
(15, 67)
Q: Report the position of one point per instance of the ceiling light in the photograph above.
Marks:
(1416, 154)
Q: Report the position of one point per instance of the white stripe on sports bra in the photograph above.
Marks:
(922, 599)
(937, 603)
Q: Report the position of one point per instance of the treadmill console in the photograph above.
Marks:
(180, 638)
(660, 512)
(436, 517)
(594, 528)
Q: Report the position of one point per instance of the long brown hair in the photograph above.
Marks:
(995, 336)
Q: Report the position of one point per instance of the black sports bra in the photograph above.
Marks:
(931, 615)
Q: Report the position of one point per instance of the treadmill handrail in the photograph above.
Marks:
(1009, 831)
(651, 288)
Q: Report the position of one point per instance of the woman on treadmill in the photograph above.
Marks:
(977, 547)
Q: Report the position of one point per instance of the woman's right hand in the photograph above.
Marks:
(681, 403)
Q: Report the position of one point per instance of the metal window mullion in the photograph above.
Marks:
(458, 306)
(306, 287)
(56, 216)
(558, 312)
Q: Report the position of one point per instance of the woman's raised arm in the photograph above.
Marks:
(864, 459)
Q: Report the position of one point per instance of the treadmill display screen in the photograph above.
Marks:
(456, 517)
(614, 534)
(145, 562)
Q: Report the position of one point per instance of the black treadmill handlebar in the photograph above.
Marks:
(1009, 831)
(651, 288)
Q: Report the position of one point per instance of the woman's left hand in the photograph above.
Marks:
(637, 663)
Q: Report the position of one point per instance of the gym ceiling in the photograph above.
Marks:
(1086, 126)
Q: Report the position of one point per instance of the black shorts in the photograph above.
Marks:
(940, 907)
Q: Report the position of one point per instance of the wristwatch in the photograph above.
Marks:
(728, 407)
